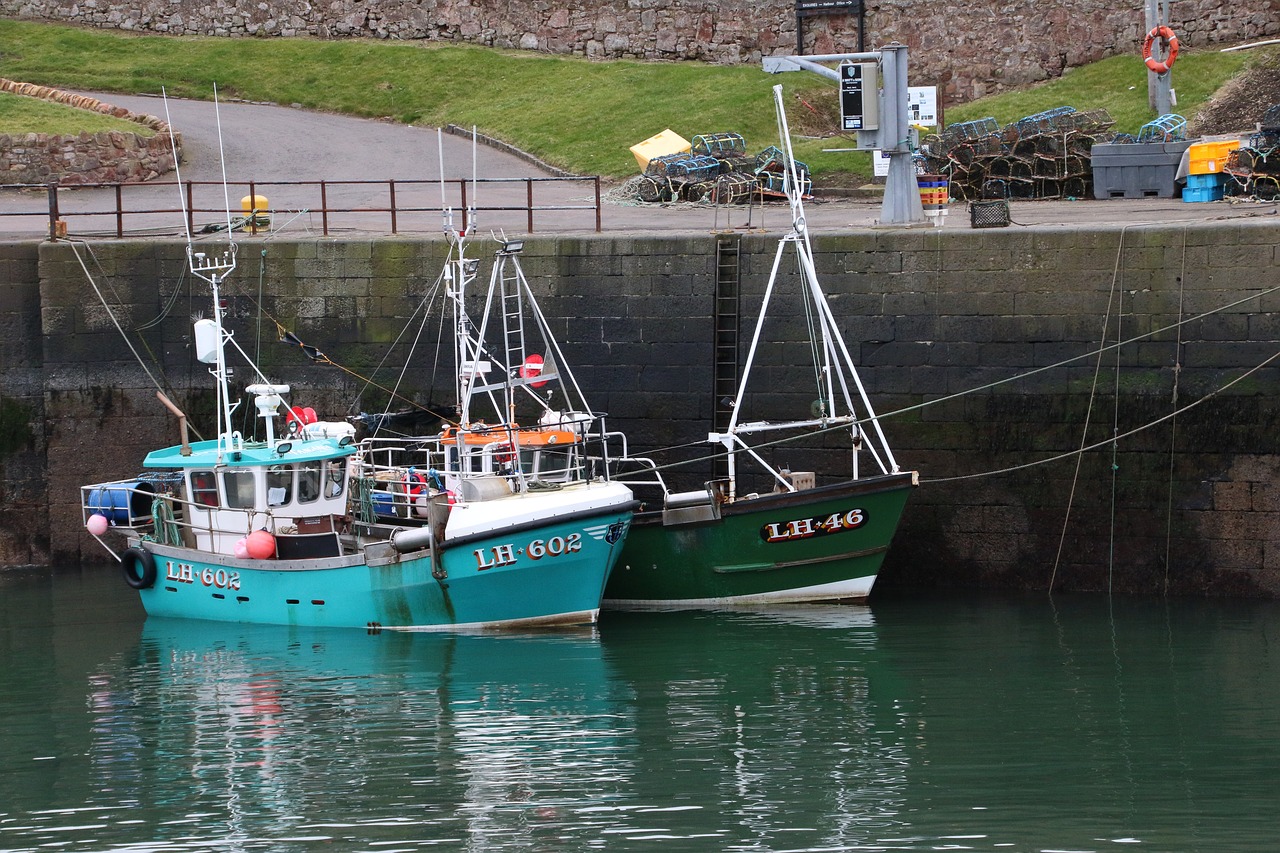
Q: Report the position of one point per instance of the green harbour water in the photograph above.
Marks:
(956, 722)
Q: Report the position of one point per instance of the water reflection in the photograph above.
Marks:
(781, 726)
(343, 736)
(975, 723)
(1084, 722)
(679, 729)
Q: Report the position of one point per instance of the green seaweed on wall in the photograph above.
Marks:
(15, 426)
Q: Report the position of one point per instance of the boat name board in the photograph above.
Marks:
(186, 573)
(803, 528)
(507, 554)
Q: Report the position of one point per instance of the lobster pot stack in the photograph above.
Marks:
(1045, 155)
(716, 168)
(1253, 169)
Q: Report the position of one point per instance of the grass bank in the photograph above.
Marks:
(20, 114)
(577, 114)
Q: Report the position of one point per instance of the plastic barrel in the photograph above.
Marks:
(383, 503)
(123, 503)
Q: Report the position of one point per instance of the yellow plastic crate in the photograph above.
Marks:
(1209, 158)
(667, 142)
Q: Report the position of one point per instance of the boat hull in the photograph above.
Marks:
(551, 574)
(821, 544)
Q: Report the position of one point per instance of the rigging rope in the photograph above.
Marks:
(1173, 429)
(116, 322)
(1093, 389)
(1115, 445)
(905, 410)
(285, 336)
(1215, 392)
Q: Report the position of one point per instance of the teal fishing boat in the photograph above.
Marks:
(767, 531)
(486, 529)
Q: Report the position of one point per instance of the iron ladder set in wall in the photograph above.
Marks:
(726, 374)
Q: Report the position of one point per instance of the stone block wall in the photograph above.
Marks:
(990, 356)
(86, 158)
(969, 48)
(24, 523)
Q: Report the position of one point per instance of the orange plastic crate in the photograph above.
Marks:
(1209, 158)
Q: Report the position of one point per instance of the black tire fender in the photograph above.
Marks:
(139, 568)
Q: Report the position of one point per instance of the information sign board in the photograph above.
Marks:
(858, 96)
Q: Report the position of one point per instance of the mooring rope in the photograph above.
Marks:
(114, 320)
(1093, 388)
(906, 410)
(1173, 430)
(1115, 445)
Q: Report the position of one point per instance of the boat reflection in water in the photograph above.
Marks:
(679, 726)
(349, 737)
(955, 722)
(783, 729)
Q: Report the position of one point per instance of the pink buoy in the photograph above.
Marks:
(241, 549)
(261, 545)
(97, 524)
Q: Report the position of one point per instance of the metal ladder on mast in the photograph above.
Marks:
(511, 295)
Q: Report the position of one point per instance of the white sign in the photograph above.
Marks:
(880, 161)
(922, 109)
(922, 105)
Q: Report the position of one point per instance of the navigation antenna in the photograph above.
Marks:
(471, 208)
(446, 212)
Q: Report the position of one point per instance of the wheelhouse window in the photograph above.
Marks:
(555, 466)
(279, 485)
(308, 482)
(335, 478)
(204, 488)
(238, 487)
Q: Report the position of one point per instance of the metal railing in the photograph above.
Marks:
(390, 205)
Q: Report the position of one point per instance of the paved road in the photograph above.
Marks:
(273, 145)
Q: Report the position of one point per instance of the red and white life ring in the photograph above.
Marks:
(1167, 36)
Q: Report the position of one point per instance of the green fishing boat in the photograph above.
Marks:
(766, 532)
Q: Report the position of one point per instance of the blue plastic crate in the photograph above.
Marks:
(1206, 194)
(1206, 182)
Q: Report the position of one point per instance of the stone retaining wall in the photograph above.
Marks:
(940, 321)
(969, 48)
(24, 484)
(88, 158)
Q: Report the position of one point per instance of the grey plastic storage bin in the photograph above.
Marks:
(1136, 169)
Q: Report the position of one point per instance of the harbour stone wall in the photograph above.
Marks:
(1047, 456)
(969, 48)
(24, 486)
(115, 156)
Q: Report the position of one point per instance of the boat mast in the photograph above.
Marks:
(834, 367)
(458, 274)
(215, 268)
(833, 345)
